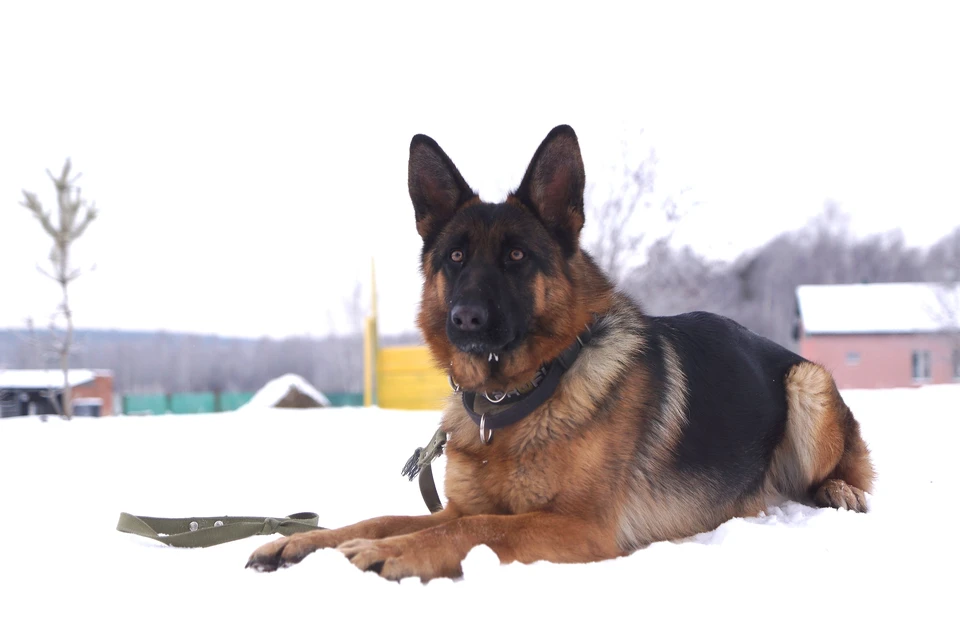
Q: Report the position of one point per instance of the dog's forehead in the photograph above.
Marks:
(490, 223)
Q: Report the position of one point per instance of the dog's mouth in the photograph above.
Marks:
(492, 351)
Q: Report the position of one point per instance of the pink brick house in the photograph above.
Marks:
(882, 335)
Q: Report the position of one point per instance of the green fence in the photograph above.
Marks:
(204, 402)
(193, 403)
(344, 399)
(146, 404)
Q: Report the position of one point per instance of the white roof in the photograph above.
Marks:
(43, 378)
(879, 308)
(274, 391)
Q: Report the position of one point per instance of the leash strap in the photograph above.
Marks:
(428, 490)
(202, 532)
(419, 465)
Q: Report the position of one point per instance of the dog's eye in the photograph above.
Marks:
(516, 254)
(456, 256)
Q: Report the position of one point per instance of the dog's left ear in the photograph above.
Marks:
(553, 186)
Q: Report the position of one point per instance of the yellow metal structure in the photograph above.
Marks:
(398, 377)
(407, 378)
(369, 359)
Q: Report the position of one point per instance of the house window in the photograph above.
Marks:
(921, 365)
(853, 358)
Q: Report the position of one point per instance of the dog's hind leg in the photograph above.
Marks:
(822, 456)
(852, 476)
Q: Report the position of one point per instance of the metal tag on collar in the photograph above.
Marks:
(486, 435)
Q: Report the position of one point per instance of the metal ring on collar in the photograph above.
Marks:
(485, 434)
(453, 384)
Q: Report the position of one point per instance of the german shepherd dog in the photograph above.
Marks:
(650, 428)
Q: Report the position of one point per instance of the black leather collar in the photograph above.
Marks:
(519, 406)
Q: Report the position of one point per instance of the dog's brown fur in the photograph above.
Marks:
(612, 461)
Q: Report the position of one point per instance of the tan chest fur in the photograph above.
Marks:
(566, 456)
(495, 478)
(540, 463)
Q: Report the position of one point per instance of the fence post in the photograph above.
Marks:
(370, 344)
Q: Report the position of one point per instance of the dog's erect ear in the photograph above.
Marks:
(436, 187)
(553, 186)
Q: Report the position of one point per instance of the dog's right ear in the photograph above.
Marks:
(436, 187)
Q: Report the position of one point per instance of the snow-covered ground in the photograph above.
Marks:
(794, 573)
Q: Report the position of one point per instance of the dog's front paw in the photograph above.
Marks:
(400, 557)
(285, 551)
(369, 555)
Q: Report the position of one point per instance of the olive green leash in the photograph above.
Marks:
(202, 532)
(205, 531)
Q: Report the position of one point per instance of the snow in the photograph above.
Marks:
(794, 572)
(274, 391)
(43, 378)
(878, 308)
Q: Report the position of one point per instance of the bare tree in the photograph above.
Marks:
(946, 310)
(73, 217)
(942, 266)
(614, 236)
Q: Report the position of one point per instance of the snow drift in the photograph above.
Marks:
(287, 391)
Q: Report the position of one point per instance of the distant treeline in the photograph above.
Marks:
(757, 290)
(167, 363)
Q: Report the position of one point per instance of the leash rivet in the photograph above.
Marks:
(194, 526)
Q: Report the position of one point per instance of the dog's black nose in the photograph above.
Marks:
(469, 318)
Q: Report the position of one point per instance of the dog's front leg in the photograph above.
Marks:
(438, 551)
(288, 550)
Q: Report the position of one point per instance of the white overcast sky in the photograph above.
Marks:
(249, 159)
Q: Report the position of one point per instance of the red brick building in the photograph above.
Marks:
(882, 335)
(28, 391)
